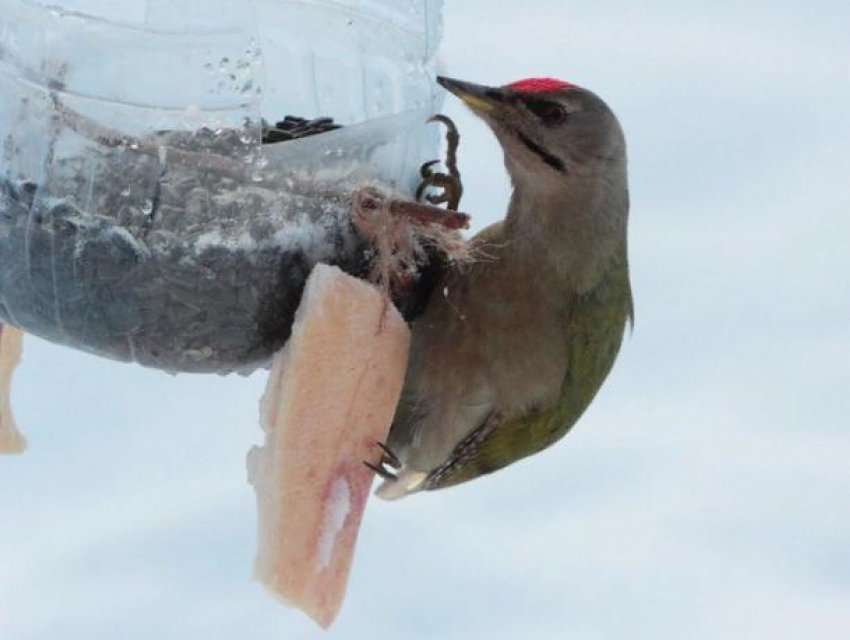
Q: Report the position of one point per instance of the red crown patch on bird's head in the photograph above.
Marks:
(540, 85)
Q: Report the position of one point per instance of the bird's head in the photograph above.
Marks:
(549, 129)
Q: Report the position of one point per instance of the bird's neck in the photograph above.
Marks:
(570, 232)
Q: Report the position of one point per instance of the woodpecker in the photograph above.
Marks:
(512, 347)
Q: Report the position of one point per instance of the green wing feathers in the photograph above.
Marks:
(595, 326)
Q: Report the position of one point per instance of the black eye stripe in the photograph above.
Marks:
(553, 161)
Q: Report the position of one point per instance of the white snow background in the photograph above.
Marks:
(705, 494)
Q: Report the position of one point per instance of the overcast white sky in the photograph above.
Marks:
(706, 494)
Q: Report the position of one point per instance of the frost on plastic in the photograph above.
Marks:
(141, 218)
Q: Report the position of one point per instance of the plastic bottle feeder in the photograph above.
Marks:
(156, 204)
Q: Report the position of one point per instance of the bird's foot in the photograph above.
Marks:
(388, 466)
(449, 184)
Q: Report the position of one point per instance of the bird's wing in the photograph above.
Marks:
(595, 331)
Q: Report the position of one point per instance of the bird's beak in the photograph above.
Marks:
(482, 100)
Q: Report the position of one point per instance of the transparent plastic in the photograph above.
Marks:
(141, 216)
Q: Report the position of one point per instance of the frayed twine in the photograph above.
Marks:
(401, 232)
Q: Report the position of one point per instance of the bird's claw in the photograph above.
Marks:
(390, 458)
(389, 462)
(450, 183)
(451, 189)
(381, 471)
(426, 172)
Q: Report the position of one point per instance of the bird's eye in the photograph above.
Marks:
(551, 113)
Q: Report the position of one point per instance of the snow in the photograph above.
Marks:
(336, 511)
